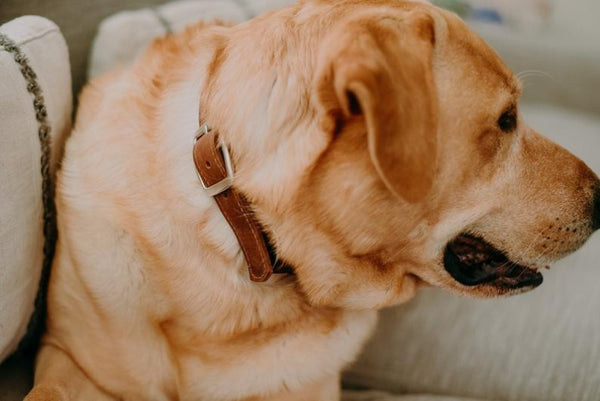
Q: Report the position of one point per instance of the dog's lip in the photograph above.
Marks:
(472, 261)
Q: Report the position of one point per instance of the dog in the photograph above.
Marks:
(379, 148)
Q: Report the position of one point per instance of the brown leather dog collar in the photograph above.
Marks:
(215, 172)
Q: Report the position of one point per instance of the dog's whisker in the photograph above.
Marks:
(529, 247)
(534, 73)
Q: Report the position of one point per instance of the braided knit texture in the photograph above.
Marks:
(36, 324)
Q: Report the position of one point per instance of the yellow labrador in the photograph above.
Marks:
(378, 143)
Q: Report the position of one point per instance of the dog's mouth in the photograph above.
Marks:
(472, 261)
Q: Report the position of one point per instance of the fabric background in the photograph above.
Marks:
(78, 21)
(124, 35)
(381, 396)
(565, 53)
(559, 66)
(20, 177)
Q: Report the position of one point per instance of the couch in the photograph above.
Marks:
(543, 345)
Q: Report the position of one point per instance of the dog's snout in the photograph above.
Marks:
(596, 209)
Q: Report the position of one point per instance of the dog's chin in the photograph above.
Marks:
(481, 269)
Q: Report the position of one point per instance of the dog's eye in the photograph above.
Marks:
(508, 120)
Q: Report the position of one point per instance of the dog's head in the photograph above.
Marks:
(426, 173)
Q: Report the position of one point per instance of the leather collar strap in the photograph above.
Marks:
(215, 171)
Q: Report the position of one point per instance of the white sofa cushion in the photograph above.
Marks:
(381, 396)
(21, 238)
(121, 37)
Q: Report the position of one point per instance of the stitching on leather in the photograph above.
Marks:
(240, 243)
(216, 157)
(261, 248)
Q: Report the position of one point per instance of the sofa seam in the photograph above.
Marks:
(33, 38)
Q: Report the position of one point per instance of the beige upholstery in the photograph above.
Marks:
(381, 396)
(78, 21)
(21, 239)
(124, 35)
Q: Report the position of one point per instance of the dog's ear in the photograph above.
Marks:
(382, 71)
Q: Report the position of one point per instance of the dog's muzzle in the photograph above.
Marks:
(473, 261)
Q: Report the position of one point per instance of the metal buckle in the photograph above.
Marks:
(226, 182)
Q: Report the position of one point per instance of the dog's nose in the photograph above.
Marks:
(596, 211)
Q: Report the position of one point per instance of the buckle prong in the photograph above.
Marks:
(226, 182)
(203, 130)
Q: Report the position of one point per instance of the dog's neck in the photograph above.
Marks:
(267, 114)
(257, 108)
(215, 172)
(257, 111)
